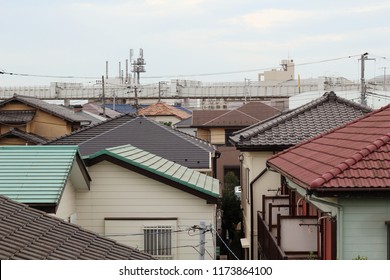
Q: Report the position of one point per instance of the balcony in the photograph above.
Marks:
(283, 235)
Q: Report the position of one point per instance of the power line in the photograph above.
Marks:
(227, 247)
(173, 76)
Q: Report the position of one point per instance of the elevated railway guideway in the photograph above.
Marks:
(176, 89)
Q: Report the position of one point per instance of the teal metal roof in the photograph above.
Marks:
(168, 169)
(35, 174)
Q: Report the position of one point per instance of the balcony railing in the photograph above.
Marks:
(268, 245)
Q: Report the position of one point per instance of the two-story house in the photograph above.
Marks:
(259, 142)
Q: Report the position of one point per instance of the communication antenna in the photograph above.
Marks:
(139, 65)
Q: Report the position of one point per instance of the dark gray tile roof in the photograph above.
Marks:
(146, 134)
(184, 123)
(30, 137)
(16, 116)
(86, 133)
(30, 234)
(290, 128)
(53, 109)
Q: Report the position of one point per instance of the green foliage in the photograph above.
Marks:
(360, 258)
(167, 123)
(230, 204)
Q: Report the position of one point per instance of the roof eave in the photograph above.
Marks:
(104, 155)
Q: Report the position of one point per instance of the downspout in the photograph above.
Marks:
(339, 223)
(251, 207)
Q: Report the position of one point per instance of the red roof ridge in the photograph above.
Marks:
(349, 162)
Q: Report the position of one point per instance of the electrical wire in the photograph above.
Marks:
(174, 76)
(227, 247)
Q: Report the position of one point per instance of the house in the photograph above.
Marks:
(338, 187)
(98, 110)
(28, 120)
(164, 113)
(259, 142)
(216, 126)
(185, 126)
(44, 177)
(149, 202)
(30, 234)
(148, 135)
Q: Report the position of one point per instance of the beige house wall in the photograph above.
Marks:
(67, 208)
(116, 192)
(217, 136)
(253, 164)
(203, 134)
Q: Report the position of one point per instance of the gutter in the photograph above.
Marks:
(340, 222)
(251, 207)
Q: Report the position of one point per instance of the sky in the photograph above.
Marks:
(205, 40)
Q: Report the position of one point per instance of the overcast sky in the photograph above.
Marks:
(185, 38)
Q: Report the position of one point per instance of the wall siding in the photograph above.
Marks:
(364, 229)
(118, 192)
(67, 205)
(256, 162)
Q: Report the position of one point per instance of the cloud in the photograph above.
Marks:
(270, 18)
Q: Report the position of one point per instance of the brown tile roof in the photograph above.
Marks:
(290, 128)
(162, 109)
(53, 109)
(355, 156)
(30, 234)
(16, 116)
(246, 115)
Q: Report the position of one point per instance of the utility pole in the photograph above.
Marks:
(384, 78)
(202, 240)
(104, 98)
(160, 90)
(363, 87)
(136, 97)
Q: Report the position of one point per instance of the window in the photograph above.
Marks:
(158, 241)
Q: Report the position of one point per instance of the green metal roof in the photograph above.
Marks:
(35, 174)
(168, 169)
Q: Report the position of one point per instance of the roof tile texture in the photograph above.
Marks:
(145, 134)
(353, 156)
(162, 109)
(30, 234)
(305, 122)
(245, 115)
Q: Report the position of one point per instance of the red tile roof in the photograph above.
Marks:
(162, 109)
(355, 156)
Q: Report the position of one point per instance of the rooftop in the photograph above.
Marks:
(351, 157)
(53, 109)
(29, 234)
(145, 134)
(291, 127)
(36, 174)
(243, 116)
(180, 176)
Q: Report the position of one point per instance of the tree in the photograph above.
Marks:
(230, 204)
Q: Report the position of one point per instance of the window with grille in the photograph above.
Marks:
(158, 241)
